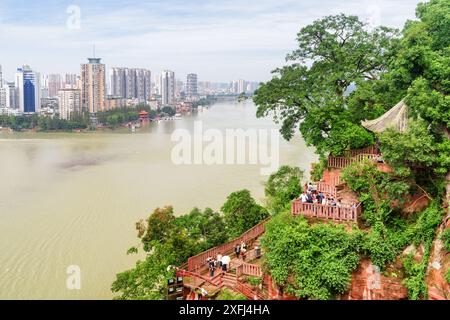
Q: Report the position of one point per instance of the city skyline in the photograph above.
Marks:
(241, 42)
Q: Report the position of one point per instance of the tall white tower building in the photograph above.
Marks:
(167, 87)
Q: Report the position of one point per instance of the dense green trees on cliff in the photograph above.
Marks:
(169, 240)
(311, 92)
(310, 261)
(241, 212)
(282, 187)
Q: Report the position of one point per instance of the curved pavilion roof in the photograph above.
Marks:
(396, 117)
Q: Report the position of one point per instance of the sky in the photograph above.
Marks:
(219, 40)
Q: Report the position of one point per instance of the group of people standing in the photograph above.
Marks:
(312, 195)
(223, 261)
(241, 250)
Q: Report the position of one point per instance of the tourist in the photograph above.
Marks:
(212, 267)
(225, 263)
(243, 250)
(219, 259)
(309, 198)
(237, 250)
(303, 197)
(320, 198)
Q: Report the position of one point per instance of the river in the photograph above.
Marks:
(73, 198)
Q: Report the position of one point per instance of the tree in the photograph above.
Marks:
(311, 91)
(169, 111)
(416, 150)
(282, 187)
(310, 261)
(148, 279)
(241, 212)
(206, 227)
(159, 227)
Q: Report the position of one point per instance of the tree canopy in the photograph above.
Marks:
(282, 187)
(241, 212)
(311, 92)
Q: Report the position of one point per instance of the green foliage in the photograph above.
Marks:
(207, 228)
(169, 241)
(159, 228)
(445, 237)
(378, 191)
(415, 275)
(310, 261)
(168, 111)
(315, 97)
(422, 232)
(415, 150)
(319, 168)
(253, 281)
(227, 294)
(147, 280)
(424, 228)
(44, 123)
(209, 100)
(383, 244)
(282, 187)
(118, 116)
(241, 212)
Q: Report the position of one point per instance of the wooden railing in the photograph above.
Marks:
(343, 162)
(249, 270)
(247, 291)
(335, 213)
(326, 188)
(373, 149)
(196, 262)
(199, 280)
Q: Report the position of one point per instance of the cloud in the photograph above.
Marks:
(219, 40)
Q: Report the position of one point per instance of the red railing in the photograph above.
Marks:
(335, 213)
(326, 188)
(342, 162)
(247, 291)
(249, 269)
(373, 149)
(196, 262)
(199, 279)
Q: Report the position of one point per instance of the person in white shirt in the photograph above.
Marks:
(225, 263)
(219, 259)
(303, 197)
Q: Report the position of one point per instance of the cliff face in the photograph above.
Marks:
(438, 287)
(369, 284)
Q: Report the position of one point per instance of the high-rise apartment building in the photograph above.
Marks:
(143, 84)
(69, 101)
(167, 87)
(27, 83)
(241, 86)
(191, 85)
(131, 83)
(70, 81)
(92, 86)
(3, 91)
(54, 84)
(117, 84)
